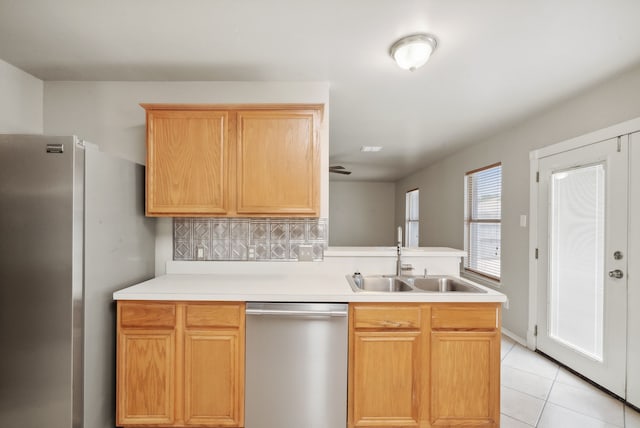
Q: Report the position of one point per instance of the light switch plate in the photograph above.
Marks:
(305, 253)
(523, 220)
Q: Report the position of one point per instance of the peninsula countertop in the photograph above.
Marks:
(281, 287)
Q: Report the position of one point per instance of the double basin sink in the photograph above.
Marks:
(411, 284)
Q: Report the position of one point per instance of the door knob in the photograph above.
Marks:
(616, 274)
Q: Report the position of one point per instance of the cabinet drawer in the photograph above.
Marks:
(218, 315)
(141, 314)
(464, 317)
(386, 316)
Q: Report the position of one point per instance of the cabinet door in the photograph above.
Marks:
(465, 378)
(385, 372)
(187, 162)
(146, 373)
(278, 163)
(214, 381)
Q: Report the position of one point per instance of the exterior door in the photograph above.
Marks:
(582, 260)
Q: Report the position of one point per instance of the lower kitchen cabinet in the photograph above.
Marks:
(386, 378)
(180, 364)
(147, 394)
(465, 365)
(424, 365)
(465, 378)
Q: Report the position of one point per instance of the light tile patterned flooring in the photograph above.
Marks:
(535, 392)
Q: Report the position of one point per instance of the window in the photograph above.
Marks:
(411, 219)
(482, 221)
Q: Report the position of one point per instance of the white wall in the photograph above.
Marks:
(108, 114)
(361, 213)
(20, 101)
(441, 185)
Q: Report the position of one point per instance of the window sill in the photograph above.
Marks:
(480, 279)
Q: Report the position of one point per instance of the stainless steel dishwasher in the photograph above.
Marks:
(296, 365)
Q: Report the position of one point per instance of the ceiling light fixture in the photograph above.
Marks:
(412, 52)
(370, 148)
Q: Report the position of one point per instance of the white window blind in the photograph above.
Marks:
(483, 217)
(412, 217)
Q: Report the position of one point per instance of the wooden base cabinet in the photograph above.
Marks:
(180, 364)
(424, 365)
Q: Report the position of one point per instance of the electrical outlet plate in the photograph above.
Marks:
(305, 253)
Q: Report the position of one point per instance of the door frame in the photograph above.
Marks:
(619, 129)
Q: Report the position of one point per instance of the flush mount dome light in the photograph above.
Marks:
(412, 52)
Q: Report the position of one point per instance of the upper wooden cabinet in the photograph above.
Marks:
(238, 160)
(278, 162)
(187, 162)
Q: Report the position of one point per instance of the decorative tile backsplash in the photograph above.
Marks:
(248, 239)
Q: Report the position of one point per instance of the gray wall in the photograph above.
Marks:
(441, 184)
(108, 114)
(361, 213)
(20, 101)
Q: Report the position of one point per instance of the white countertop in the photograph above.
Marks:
(279, 287)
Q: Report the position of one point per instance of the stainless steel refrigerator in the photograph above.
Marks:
(72, 231)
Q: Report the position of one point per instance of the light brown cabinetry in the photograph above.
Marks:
(424, 365)
(277, 162)
(465, 365)
(233, 160)
(180, 364)
(187, 162)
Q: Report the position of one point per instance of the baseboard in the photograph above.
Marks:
(511, 335)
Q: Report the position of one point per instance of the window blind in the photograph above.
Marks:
(483, 218)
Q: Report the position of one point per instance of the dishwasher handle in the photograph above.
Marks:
(295, 313)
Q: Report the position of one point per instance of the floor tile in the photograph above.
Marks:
(506, 346)
(590, 402)
(526, 360)
(526, 382)
(509, 422)
(520, 406)
(554, 416)
(631, 418)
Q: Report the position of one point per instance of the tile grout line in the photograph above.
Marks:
(508, 352)
(516, 419)
(574, 410)
(524, 393)
(546, 399)
(588, 416)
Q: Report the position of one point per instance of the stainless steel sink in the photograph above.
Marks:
(415, 284)
(442, 284)
(378, 283)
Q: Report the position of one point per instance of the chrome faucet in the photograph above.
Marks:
(399, 248)
(401, 267)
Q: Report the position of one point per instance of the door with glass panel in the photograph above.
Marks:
(582, 246)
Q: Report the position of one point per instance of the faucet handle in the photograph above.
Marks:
(357, 278)
(406, 267)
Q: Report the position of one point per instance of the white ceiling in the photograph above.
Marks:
(497, 60)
